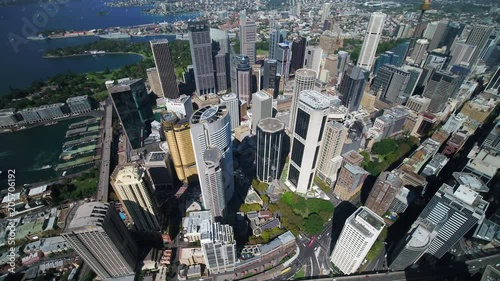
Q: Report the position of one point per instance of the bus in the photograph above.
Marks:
(284, 271)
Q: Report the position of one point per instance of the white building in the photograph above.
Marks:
(233, 106)
(360, 232)
(79, 104)
(304, 80)
(211, 127)
(329, 161)
(262, 107)
(372, 38)
(130, 185)
(7, 118)
(312, 113)
(183, 106)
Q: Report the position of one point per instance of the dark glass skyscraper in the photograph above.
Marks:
(270, 162)
(165, 68)
(132, 103)
(298, 51)
(352, 86)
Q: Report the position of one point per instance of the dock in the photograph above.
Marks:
(78, 162)
(69, 154)
(85, 123)
(82, 131)
(84, 140)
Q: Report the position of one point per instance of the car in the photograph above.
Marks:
(312, 241)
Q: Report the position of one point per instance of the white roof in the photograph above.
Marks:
(37, 190)
(11, 197)
(465, 194)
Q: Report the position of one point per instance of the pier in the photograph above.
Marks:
(84, 140)
(78, 162)
(85, 123)
(82, 131)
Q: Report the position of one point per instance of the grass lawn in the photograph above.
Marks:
(300, 274)
(85, 184)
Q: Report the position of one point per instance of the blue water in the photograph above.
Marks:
(22, 61)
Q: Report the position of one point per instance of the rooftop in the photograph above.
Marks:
(230, 96)
(159, 41)
(89, 214)
(314, 99)
(77, 98)
(127, 174)
(271, 125)
(212, 156)
(420, 237)
(305, 72)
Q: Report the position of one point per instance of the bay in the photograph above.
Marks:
(22, 61)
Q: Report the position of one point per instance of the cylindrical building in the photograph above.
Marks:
(304, 80)
(269, 149)
(212, 158)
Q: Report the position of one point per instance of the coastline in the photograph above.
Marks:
(80, 55)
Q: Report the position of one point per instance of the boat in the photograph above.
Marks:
(39, 37)
(51, 123)
(46, 167)
(64, 173)
(114, 35)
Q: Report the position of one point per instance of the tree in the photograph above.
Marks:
(384, 147)
(313, 224)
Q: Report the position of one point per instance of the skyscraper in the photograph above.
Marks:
(284, 57)
(438, 34)
(98, 235)
(441, 86)
(478, 37)
(132, 104)
(248, 37)
(136, 195)
(313, 58)
(211, 127)
(447, 217)
(391, 81)
(165, 68)
(461, 53)
(343, 58)
(312, 109)
(244, 79)
(201, 55)
(262, 107)
(304, 80)
(372, 38)
(269, 79)
(383, 192)
(179, 142)
(233, 106)
(214, 180)
(329, 158)
(325, 12)
(220, 62)
(298, 51)
(358, 235)
(276, 36)
(419, 52)
(350, 181)
(352, 87)
(270, 132)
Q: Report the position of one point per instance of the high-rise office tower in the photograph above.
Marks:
(441, 86)
(415, 73)
(244, 79)
(98, 235)
(438, 34)
(391, 81)
(461, 54)
(270, 132)
(257, 72)
(214, 180)
(419, 52)
(221, 38)
(220, 62)
(384, 191)
(478, 37)
(430, 29)
(165, 68)
(358, 235)
(270, 70)
(386, 58)
(132, 104)
(299, 52)
(182, 106)
(447, 218)
(304, 80)
(311, 116)
(135, 194)
(372, 38)
(154, 81)
(452, 31)
(343, 61)
(325, 12)
(179, 142)
(329, 158)
(211, 127)
(276, 36)
(313, 58)
(233, 106)
(262, 107)
(248, 37)
(331, 42)
(201, 55)
(284, 57)
(352, 86)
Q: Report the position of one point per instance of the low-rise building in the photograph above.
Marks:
(79, 104)
(29, 115)
(8, 118)
(51, 111)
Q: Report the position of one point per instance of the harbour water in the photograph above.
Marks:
(30, 151)
(22, 60)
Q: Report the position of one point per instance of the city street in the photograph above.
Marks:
(103, 184)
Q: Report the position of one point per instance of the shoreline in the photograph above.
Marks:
(81, 55)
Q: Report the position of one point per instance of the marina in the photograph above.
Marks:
(85, 123)
(80, 141)
(81, 131)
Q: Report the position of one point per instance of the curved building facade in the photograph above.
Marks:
(269, 149)
(211, 127)
(212, 158)
(304, 80)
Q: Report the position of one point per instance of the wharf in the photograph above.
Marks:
(85, 123)
(84, 140)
